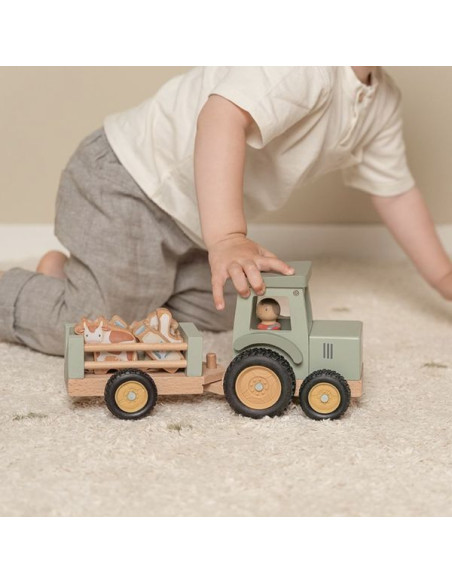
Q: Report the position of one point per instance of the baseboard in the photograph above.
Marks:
(22, 241)
(359, 241)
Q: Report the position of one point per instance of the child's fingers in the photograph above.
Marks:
(217, 291)
(274, 264)
(245, 273)
(254, 277)
(239, 279)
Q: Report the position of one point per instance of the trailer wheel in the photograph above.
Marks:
(130, 394)
(259, 382)
(324, 395)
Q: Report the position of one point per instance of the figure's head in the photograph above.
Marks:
(92, 330)
(268, 309)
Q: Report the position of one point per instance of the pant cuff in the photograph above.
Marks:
(11, 283)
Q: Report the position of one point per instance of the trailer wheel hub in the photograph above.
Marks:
(131, 396)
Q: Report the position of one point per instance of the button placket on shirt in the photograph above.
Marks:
(361, 101)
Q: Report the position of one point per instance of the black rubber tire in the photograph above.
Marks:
(124, 376)
(324, 376)
(264, 358)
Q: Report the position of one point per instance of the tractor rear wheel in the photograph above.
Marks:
(259, 382)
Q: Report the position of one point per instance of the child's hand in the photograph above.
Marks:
(242, 260)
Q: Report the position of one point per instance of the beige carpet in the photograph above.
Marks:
(391, 455)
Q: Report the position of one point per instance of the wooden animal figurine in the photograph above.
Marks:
(101, 330)
(159, 327)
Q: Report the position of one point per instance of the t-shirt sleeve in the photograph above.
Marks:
(275, 97)
(383, 168)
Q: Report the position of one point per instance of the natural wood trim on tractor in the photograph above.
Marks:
(356, 387)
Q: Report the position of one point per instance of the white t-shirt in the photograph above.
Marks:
(307, 121)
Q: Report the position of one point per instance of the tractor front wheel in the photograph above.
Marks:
(324, 395)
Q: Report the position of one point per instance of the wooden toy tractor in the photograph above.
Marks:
(321, 360)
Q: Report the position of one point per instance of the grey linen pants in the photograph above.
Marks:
(127, 257)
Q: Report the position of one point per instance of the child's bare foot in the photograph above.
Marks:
(52, 264)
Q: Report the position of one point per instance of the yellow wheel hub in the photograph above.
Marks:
(131, 396)
(324, 398)
(258, 387)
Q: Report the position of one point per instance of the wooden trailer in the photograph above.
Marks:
(131, 388)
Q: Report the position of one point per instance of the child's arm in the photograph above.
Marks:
(219, 167)
(409, 221)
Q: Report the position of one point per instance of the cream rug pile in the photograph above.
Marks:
(391, 455)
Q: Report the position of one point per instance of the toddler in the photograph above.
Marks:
(153, 207)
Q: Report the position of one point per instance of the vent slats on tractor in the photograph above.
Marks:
(327, 350)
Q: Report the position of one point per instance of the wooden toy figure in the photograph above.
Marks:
(267, 311)
(159, 327)
(102, 330)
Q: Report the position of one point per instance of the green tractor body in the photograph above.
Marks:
(308, 346)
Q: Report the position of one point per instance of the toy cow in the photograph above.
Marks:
(102, 330)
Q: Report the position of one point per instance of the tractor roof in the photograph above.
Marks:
(299, 280)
